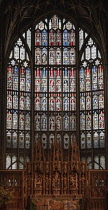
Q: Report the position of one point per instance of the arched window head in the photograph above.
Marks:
(55, 83)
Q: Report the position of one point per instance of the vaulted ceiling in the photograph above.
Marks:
(15, 15)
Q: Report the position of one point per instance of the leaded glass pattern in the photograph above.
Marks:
(92, 100)
(48, 94)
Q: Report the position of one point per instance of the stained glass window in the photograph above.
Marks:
(57, 85)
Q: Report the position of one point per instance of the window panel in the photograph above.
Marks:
(57, 95)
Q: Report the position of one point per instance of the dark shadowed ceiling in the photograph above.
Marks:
(16, 14)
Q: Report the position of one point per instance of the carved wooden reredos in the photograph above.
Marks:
(57, 174)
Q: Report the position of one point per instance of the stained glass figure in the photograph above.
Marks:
(44, 122)
(27, 121)
(58, 102)
(27, 102)
(101, 120)
(66, 103)
(88, 79)
(95, 119)
(72, 56)
(44, 56)
(9, 100)
(52, 56)
(15, 100)
(38, 56)
(9, 78)
(96, 139)
(58, 85)
(51, 85)
(43, 102)
(37, 38)
(37, 85)
(21, 140)
(15, 78)
(82, 80)
(52, 123)
(28, 80)
(66, 85)
(73, 122)
(22, 102)
(37, 102)
(14, 140)
(89, 140)
(37, 122)
(66, 122)
(27, 140)
(66, 38)
(72, 80)
(15, 119)
(82, 121)
(43, 85)
(102, 139)
(59, 122)
(88, 101)
(21, 121)
(9, 120)
(51, 38)
(58, 56)
(72, 38)
(55, 22)
(100, 77)
(82, 101)
(51, 102)
(66, 56)
(88, 121)
(94, 78)
(58, 38)
(72, 102)
(101, 100)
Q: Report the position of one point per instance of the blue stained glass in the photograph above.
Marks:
(43, 72)
(66, 56)
(28, 72)
(15, 70)
(44, 38)
(94, 78)
(65, 72)
(65, 38)
(82, 80)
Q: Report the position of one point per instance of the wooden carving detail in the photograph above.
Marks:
(56, 175)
